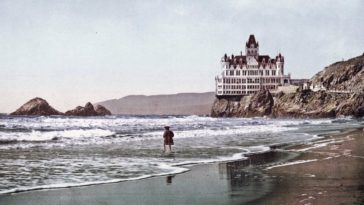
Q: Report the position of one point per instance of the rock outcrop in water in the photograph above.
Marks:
(101, 110)
(88, 110)
(39, 106)
(36, 106)
(344, 82)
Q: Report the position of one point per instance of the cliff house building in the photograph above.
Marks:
(249, 73)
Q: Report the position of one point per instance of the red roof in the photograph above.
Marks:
(262, 59)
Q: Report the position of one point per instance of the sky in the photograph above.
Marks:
(70, 52)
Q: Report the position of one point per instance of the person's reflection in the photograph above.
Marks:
(169, 179)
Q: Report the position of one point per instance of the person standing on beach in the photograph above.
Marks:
(168, 138)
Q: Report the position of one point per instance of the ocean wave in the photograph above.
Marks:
(239, 130)
(38, 136)
(166, 169)
(121, 148)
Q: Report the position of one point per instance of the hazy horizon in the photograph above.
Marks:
(72, 52)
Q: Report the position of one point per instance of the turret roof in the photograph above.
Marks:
(252, 40)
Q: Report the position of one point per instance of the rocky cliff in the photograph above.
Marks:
(259, 104)
(36, 106)
(343, 75)
(88, 110)
(345, 78)
(318, 104)
(301, 104)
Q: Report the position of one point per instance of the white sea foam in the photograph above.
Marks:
(37, 136)
(219, 132)
(291, 163)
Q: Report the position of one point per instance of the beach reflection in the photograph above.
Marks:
(244, 173)
(236, 173)
(169, 179)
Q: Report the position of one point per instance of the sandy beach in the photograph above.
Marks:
(335, 174)
(330, 171)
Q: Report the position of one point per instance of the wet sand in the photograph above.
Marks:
(334, 175)
(219, 183)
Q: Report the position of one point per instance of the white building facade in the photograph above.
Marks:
(249, 73)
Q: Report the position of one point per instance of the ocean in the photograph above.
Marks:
(57, 151)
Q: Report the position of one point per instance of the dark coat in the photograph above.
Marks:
(168, 137)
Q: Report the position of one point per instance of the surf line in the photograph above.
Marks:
(291, 163)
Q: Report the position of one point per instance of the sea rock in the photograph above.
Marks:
(36, 106)
(88, 110)
(101, 110)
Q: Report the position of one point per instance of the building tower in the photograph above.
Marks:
(280, 64)
(225, 62)
(252, 47)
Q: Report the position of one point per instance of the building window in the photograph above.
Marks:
(273, 72)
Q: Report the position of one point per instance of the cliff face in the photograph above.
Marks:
(259, 104)
(318, 104)
(342, 76)
(36, 106)
(301, 104)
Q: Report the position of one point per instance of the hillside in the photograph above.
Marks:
(342, 75)
(174, 104)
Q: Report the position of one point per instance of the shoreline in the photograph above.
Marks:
(242, 175)
(331, 173)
